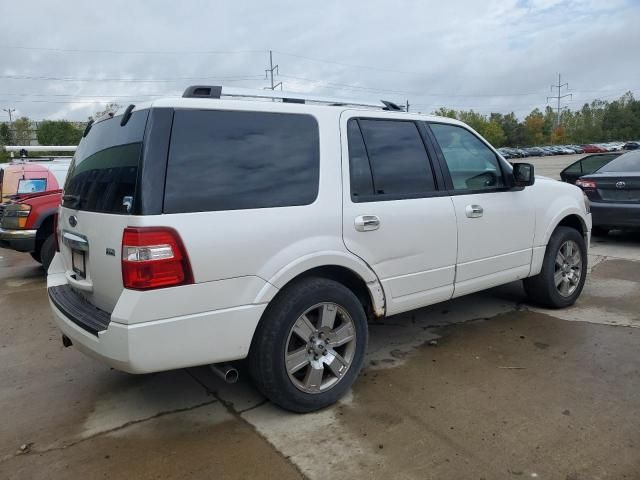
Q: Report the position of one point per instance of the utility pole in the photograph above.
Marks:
(559, 97)
(407, 107)
(9, 111)
(269, 72)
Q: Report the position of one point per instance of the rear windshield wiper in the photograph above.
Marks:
(75, 199)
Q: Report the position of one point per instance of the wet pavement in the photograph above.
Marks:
(478, 387)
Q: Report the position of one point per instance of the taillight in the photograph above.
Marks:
(589, 184)
(154, 257)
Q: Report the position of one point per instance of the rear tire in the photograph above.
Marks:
(563, 273)
(47, 252)
(309, 346)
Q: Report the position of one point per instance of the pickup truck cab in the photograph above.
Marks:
(27, 224)
(219, 226)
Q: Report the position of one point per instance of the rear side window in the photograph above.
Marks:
(231, 160)
(104, 170)
(398, 165)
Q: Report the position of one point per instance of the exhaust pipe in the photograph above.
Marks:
(66, 341)
(226, 372)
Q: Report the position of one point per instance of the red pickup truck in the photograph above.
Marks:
(27, 224)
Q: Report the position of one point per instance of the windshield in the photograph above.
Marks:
(102, 176)
(629, 162)
(32, 185)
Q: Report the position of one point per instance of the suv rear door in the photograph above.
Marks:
(495, 223)
(101, 183)
(396, 215)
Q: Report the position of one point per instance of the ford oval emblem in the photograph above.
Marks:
(620, 185)
(73, 220)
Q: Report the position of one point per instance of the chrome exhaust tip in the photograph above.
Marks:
(226, 372)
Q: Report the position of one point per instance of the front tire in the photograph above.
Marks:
(563, 273)
(47, 252)
(310, 345)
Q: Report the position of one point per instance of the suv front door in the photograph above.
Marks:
(397, 215)
(495, 223)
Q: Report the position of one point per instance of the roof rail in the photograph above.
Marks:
(216, 92)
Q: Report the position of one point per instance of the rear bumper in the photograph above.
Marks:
(20, 240)
(139, 337)
(615, 214)
(179, 342)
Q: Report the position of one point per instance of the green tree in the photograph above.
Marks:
(58, 132)
(22, 131)
(534, 128)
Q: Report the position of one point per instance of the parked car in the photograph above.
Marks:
(586, 165)
(536, 152)
(27, 225)
(37, 175)
(273, 230)
(593, 149)
(631, 146)
(614, 193)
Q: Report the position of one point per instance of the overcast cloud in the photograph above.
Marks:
(490, 55)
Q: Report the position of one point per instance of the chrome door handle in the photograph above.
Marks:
(366, 223)
(474, 211)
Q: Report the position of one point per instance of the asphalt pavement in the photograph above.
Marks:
(483, 386)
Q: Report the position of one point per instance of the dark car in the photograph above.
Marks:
(586, 165)
(631, 146)
(614, 193)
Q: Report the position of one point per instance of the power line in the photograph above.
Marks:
(236, 78)
(134, 52)
(559, 97)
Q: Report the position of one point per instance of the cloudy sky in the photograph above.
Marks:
(67, 59)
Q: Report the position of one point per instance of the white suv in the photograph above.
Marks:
(202, 230)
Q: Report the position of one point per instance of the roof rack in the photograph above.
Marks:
(217, 91)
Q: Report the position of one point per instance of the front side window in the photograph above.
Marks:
(232, 160)
(471, 163)
(388, 158)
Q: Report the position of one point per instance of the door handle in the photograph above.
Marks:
(474, 211)
(366, 223)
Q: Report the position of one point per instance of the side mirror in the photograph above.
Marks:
(523, 175)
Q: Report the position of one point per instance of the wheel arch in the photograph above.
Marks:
(351, 272)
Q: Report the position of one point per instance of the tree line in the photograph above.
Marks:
(598, 121)
(49, 132)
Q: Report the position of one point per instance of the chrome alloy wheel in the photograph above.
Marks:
(320, 348)
(568, 268)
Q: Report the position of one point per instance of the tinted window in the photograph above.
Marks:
(629, 162)
(105, 167)
(472, 164)
(594, 162)
(398, 158)
(359, 169)
(222, 160)
(574, 168)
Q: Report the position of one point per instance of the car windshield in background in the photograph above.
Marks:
(33, 185)
(105, 167)
(629, 162)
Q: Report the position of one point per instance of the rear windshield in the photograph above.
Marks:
(629, 162)
(102, 176)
